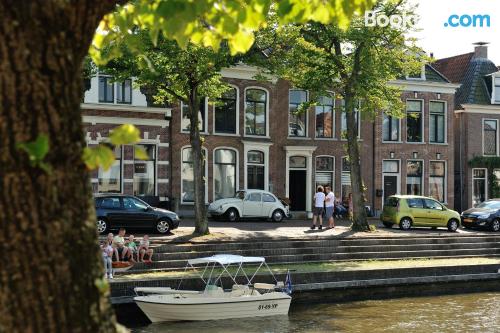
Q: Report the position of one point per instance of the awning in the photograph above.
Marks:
(226, 259)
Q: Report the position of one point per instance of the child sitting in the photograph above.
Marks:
(145, 250)
(132, 246)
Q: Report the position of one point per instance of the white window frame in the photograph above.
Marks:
(122, 164)
(494, 88)
(237, 115)
(332, 172)
(421, 78)
(206, 175)
(445, 122)
(482, 135)
(334, 121)
(485, 184)
(99, 75)
(306, 136)
(422, 180)
(237, 174)
(258, 146)
(422, 129)
(398, 174)
(268, 110)
(399, 130)
(205, 120)
(445, 190)
(342, 172)
(148, 142)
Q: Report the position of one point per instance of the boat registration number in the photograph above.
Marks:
(268, 306)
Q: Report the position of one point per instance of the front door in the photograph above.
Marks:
(297, 184)
(390, 186)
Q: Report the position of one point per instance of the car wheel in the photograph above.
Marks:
(387, 224)
(452, 225)
(163, 226)
(405, 223)
(232, 215)
(495, 225)
(102, 226)
(277, 215)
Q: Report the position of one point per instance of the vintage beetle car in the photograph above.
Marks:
(250, 204)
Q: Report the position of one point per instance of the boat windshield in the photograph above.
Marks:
(240, 195)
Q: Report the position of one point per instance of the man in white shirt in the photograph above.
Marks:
(319, 203)
(329, 207)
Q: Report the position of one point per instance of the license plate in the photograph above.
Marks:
(468, 220)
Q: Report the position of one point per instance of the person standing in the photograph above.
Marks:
(319, 204)
(329, 207)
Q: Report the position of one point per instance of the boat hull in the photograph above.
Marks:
(165, 308)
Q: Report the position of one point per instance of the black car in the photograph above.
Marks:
(484, 215)
(125, 211)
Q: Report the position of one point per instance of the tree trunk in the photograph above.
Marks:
(200, 210)
(360, 222)
(51, 278)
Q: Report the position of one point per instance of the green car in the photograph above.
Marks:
(416, 211)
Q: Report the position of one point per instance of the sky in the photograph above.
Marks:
(449, 41)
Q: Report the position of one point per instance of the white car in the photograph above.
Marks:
(249, 204)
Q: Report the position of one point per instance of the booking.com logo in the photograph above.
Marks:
(466, 21)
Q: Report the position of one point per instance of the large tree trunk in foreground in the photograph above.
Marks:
(358, 196)
(51, 267)
(200, 210)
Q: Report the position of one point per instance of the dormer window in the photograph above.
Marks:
(417, 75)
(496, 90)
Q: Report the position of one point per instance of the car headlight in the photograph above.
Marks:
(483, 216)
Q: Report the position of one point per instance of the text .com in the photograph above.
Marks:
(466, 21)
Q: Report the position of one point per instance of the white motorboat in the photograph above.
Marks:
(242, 300)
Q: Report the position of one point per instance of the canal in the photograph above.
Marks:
(478, 313)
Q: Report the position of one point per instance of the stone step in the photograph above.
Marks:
(264, 252)
(333, 256)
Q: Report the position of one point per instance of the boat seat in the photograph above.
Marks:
(211, 289)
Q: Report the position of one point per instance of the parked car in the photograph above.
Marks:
(484, 215)
(115, 211)
(250, 204)
(416, 211)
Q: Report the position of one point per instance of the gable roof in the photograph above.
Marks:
(454, 68)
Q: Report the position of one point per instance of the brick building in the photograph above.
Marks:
(477, 116)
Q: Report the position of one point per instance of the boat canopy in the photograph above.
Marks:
(226, 259)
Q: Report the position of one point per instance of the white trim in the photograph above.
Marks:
(445, 193)
(206, 175)
(479, 108)
(155, 179)
(399, 130)
(128, 180)
(445, 121)
(482, 136)
(398, 175)
(128, 161)
(485, 184)
(307, 152)
(341, 172)
(237, 169)
(422, 103)
(306, 134)
(268, 96)
(422, 178)
(425, 86)
(162, 181)
(258, 146)
(163, 162)
(246, 72)
(125, 120)
(332, 172)
(237, 115)
(124, 107)
(493, 88)
(205, 119)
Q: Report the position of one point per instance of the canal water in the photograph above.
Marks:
(478, 313)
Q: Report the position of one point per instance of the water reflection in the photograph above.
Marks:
(457, 313)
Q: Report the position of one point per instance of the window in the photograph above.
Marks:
(478, 186)
(490, 137)
(224, 173)
(497, 89)
(324, 171)
(414, 121)
(390, 128)
(431, 204)
(298, 162)
(415, 203)
(345, 179)
(187, 175)
(437, 180)
(268, 198)
(185, 123)
(109, 181)
(437, 117)
(144, 172)
(391, 202)
(325, 117)
(106, 89)
(255, 197)
(133, 204)
(417, 75)
(414, 177)
(225, 112)
(124, 92)
(343, 125)
(109, 203)
(390, 166)
(255, 170)
(297, 118)
(255, 112)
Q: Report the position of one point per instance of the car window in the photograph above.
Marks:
(110, 203)
(415, 203)
(254, 197)
(268, 198)
(431, 204)
(489, 205)
(391, 202)
(132, 203)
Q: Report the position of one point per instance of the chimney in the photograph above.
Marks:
(481, 50)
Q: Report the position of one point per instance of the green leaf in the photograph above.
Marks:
(37, 150)
(124, 135)
(100, 156)
(140, 153)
